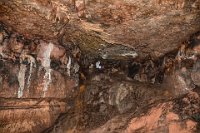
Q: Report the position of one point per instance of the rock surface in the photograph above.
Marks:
(165, 117)
(173, 116)
(150, 27)
(37, 80)
(29, 115)
(99, 66)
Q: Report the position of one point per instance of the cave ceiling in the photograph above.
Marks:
(145, 27)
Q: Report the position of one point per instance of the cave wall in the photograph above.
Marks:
(40, 57)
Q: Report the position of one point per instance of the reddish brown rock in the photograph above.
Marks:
(30, 79)
(39, 74)
(33, 94)
(56, 53)
(1, 37)
(160, 118)
(15, 45)
(152, 27)
(29, 115)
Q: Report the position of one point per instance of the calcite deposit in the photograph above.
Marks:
(34, 82)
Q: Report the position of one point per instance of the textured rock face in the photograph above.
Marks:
(29, 115)
(40, 90)
(151, 27)
(35, 69)
(166, 117)
(99, 66)
(37, 79)
(121, 94)
(23, 83)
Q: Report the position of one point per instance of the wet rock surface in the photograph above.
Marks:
(35, 69)
(37, 81)
(50, 87)
(99, 66)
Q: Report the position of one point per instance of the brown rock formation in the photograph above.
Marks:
(99, 66)
(151, 27)
(166, 117)
(29, 115)
(37, 80)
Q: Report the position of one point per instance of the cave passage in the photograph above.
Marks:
(99, 66)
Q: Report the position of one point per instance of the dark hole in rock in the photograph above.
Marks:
(55, 64)
(25, 62)
(1, 64)
(195, 40)
(133, 69)
(5, 71)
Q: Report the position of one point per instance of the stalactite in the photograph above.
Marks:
(32, 64)
(69, 66)
(21, 79)
(46, 64)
